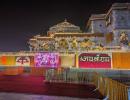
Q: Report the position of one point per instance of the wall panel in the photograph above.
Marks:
(67, 60)
(121, 60)
(7, 61)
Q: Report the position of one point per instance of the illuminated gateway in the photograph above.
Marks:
(108, 31)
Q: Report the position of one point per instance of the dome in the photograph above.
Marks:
(64, 27)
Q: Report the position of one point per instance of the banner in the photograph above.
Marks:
(46, 60)
(22, 61)
(95, 60)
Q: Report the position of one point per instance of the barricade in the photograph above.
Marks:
(111, 89)
(67, 75)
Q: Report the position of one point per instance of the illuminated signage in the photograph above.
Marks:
(95, 60)
(47, 60)
(22, 61)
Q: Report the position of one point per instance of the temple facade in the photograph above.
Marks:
(108, 31)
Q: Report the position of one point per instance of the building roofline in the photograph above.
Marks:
(95, 17)
(81, 35)
(117, 6)
(44, 38)
(114, 6)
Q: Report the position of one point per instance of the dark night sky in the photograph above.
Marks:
(21, 20)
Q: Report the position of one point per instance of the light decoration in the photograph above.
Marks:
(44, 59)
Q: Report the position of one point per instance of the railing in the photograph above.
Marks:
(112, 89)
(68, 76)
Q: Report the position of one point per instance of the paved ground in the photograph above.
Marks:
(19, 96)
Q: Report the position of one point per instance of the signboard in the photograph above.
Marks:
(22, 61)
(46, 60)
(95, 60)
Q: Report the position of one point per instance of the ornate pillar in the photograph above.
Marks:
(69, 46)
(56, 45)
(77, 60)
(30, 48)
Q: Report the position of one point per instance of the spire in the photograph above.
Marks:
(65, 20)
